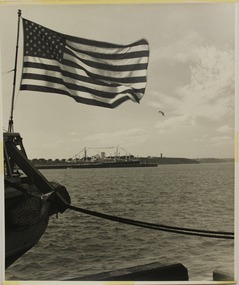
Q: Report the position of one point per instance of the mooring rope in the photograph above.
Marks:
(160, 227)
(178, 230)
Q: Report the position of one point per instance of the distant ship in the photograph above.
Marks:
(94, 161)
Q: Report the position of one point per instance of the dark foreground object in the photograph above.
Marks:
(19, 242)
(29, 200)
(220, 275)
(148, 272)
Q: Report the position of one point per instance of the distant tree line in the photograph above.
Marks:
(47, 161)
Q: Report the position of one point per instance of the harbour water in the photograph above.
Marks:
(199, 196)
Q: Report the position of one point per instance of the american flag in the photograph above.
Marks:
(91, 72)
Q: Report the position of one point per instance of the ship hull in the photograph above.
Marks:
(30, 199)
(117, 164)
(19, 241)
(20, 234)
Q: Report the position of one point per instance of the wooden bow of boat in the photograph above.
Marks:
(30, 199)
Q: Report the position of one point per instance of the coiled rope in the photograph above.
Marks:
(178, 230)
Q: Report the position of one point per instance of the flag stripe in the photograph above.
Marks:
(32, 73)
(110, 50)
(100, 44)
(78, 73)
(104, 94)
(74, 93)
(108, 62)
(78, 99)
(115, 56)
(101, 73)
(124, 65)
(91, 72)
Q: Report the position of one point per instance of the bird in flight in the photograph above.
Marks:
(161, 112)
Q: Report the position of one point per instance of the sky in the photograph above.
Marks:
(190, 78)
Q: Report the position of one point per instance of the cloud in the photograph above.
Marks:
(181, 51)
(225, 129)
(75, 144)
(180, 123)
(212, 72)
(209, 92)
(220, 140)
(120, 138)
(214, 141)
(73, 134)
(202, 139)
(162, 101)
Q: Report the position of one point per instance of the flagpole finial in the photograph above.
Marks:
(19, 12)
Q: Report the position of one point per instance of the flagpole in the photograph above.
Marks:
(10, 124)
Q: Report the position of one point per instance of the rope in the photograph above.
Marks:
(178, 230)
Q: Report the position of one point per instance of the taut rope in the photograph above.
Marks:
(178, 230)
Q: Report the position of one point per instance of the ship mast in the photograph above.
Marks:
(10, 123)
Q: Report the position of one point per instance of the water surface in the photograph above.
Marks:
(199, 196)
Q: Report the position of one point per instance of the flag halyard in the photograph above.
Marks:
(89, 71)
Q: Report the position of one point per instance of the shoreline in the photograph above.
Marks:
(139, 162)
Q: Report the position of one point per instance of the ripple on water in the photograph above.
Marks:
(194, 196)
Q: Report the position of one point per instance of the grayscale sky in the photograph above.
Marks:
(190, 78)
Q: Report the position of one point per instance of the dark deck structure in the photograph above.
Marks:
(148, 272)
